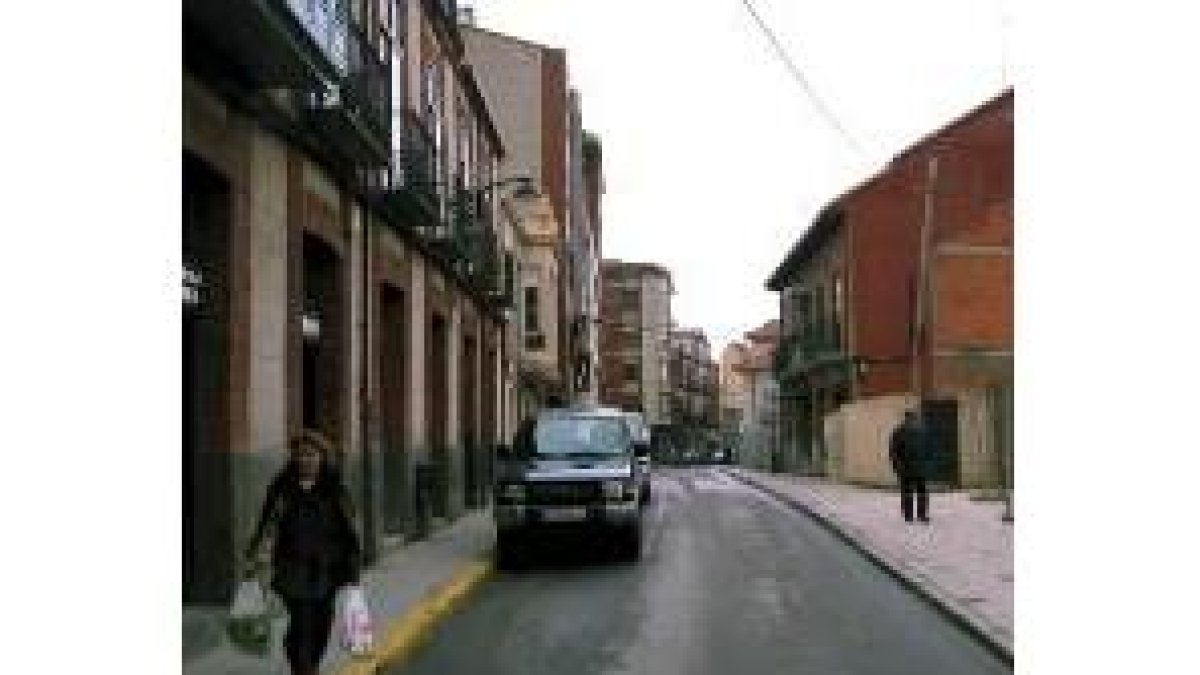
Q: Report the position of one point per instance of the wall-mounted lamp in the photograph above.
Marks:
(193, 287)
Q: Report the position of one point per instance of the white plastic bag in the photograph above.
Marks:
(358, 637)
(250, 601)
(249, 624)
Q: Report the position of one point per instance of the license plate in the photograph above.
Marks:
(564, 515)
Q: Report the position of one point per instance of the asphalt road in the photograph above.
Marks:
(730, 581)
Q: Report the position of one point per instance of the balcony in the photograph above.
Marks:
(475, 244)
(800, 354)
(335, 79)
(294, 44)
(407, 189)
(354, 111)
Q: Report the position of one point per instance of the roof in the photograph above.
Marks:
(767, 332)
(823, 229)
(638, 268)
(761, 357)
(829, 218)
(759, 352)
(509, 38)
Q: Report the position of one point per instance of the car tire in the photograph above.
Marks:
(508, 552)
(630, 545)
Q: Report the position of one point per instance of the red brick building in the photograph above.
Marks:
(903, 286)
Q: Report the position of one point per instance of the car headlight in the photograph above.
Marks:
(513, 493)
(618, 490)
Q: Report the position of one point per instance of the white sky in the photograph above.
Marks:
(715, 159)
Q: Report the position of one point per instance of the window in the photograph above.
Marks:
(580, 436)
(631, 372)
(466, 157)
(820, 314)
(803, 312)
(532, 320)
(431, 86)
(838, 310)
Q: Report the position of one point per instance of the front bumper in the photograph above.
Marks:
(613, 515)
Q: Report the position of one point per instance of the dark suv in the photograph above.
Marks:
(569, 470)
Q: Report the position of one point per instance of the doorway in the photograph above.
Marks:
(393, 394)
(941, 426)
(208, 555)
(322, 340)
(437, 375)
(468, 397)
(491, 395)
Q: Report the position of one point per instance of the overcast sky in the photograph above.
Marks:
(715, 159)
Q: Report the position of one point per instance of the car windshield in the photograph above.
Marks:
(581, 436)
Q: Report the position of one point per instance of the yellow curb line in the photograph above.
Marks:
(408, 633)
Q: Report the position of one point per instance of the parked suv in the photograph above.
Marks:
(569, 470)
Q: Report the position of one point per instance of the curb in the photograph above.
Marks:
(405, 635)
(999, 645)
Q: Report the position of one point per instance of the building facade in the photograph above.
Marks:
(692, 385)
(752, 375)
(344, 267)
(539, 115)
(593, 178)
(635, 326)
(901, 293)
(733, 393)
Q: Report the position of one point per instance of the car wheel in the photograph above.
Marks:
(508, 552)
(631, 543)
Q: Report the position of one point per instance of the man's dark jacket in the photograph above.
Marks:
(908, 452)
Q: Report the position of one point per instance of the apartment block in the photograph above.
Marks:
(900, 293)
(346, 267)
(635, 326)
(541, 118)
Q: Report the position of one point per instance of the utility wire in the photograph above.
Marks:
(799, 76)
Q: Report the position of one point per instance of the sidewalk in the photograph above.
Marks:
(401, 589)
(962, 562)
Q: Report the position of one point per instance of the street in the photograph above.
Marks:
(730, 581)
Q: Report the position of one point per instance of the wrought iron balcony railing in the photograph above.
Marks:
(407, 189)
(474, 241)
(338, 77)
(355, 107)
(801, 352)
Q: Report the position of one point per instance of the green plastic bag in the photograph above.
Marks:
(249, 622)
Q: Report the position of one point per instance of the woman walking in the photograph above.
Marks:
(308, 515)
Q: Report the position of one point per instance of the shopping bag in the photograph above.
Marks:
(249, 621)
(357, 634)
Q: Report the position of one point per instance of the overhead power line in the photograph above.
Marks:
(799, 76)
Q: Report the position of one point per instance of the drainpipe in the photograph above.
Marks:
(921, 311)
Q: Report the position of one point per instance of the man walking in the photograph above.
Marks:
(908, 454)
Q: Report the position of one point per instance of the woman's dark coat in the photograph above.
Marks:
(316, 549)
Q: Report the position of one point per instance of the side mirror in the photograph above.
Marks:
(641, 450)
